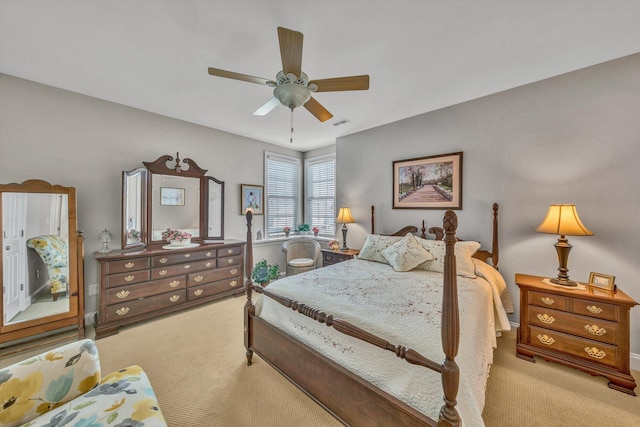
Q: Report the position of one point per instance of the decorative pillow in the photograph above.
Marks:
(406, 254)
(373, 246)
(463, 253)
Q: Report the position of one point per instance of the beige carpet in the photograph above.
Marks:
(196, 363)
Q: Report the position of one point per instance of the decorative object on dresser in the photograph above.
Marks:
(141, 285)
(42, 266)
(602, 282)
(105, 237)
(576, 328)
(563, 220)
(344, 217)
(170, 193)
(330, 257)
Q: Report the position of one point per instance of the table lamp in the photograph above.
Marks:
(344, 217)
(105, 238)
(563, 220)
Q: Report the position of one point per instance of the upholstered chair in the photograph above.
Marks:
(302, 255)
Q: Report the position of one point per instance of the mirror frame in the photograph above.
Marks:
(13, 331)
(143, 208)
(161, 166)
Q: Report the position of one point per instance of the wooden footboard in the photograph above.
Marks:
(352, 400)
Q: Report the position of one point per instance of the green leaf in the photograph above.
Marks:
(112, 417)
(59, 387)
(84, 405)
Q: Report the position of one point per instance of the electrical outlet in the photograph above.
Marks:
(93, 289)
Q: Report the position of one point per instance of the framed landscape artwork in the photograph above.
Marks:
(433, 182)
(252, 197)
(171, 196)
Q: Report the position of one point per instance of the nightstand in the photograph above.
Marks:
(577, 328)
(330, 257)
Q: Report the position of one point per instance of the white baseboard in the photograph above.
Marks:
(634, 358)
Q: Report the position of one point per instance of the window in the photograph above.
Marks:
(321, 193)
(282, 174)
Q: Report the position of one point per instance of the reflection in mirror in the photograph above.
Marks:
(215, 209)
(175, 204)
(35, 253)
(134, 207)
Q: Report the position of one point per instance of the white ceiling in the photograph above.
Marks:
(421, 55)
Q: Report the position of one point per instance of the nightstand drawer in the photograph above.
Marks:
(549, 300)
(586, 327)
(597, 309)
(583, 348)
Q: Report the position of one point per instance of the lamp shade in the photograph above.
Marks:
(344, 216)
(563, 220)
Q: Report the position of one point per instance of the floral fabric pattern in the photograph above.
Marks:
(463, 251)
(406, 254)
(373, 246)
(53, 251)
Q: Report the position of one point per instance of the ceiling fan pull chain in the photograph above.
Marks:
(291, 135)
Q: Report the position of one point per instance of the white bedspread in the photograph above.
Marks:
(404, 309)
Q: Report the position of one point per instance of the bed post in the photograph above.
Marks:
(249, 308)
(495, 250)
(373, 223)
(450, 328)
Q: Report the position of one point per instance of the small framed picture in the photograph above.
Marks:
(171, 196)
(252, 198)
(602, 281)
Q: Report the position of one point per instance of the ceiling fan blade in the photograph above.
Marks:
(317, 110)
(237, 76)
(290, 50)
(267, 107)
(342, 83)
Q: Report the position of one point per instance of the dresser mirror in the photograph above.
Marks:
(171, 193)
(41, 260)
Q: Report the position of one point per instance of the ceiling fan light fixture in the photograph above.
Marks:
(292, 95)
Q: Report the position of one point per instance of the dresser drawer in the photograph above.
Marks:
(146, 289)
(213, 288)
(228, 261)
(168, 259)
(601, 310)
(233, 250)
(583, 348)
(549, 300)
(145, 305)
(587, 327)
(123, 265)
(127, 278)
(202, 277)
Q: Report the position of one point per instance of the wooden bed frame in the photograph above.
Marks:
(349, 398)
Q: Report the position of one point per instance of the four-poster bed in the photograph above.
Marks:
(351, 378)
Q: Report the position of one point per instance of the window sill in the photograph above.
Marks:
(280, 240)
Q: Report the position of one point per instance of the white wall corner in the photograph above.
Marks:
(89, 318)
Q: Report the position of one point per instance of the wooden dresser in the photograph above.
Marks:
(330, 257)
(577, 328)
(137, 286)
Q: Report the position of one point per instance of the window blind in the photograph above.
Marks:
(282, 176)
(321, 193)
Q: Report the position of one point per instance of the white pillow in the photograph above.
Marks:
(406, 254)
(373, 246)
(462, 250)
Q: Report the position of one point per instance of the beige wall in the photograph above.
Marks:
(574, 138)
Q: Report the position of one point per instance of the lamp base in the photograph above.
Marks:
(563, 282)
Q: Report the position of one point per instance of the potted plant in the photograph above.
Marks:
(133, 235)
(263, 273)
(176, 237)
(287, 230)
(303, 228)
(315, 230)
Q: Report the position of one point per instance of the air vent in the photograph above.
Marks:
(341, 122)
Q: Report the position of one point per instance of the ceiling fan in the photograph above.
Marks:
(293, 87)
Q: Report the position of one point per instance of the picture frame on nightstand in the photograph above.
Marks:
(599, 282)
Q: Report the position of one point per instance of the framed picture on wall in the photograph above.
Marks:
(433, 182)
(171, 196)
(251, 198)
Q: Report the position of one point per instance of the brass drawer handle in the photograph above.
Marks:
(545, 318)
(187, 255)
(209, 264)
(595, 330)
(163, 260)
(229, 251)
(129, 278)
(122, 294)
(130, 264)
(209, 253)
(546, 339)
(230, 261)
(547, 300)
(175, 283)
(594, 309)
(162, 272)
(233, 271)
(594, 352)
(198, 279)
(233, 283)
(198, 292)
(122, 311)
(174, 298)
(187, 266)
